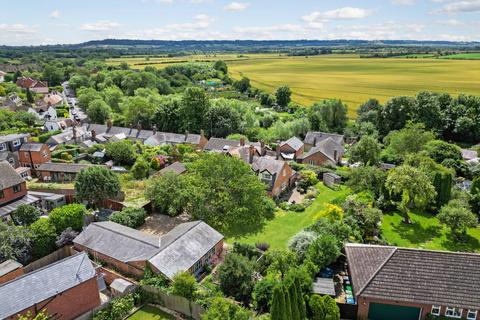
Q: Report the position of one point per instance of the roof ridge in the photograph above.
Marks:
(378, 270)
(123, 234)
(194, 224)
(353, 244)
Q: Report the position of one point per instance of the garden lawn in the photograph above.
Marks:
(285, 225)
(426, 232)
(150, 313)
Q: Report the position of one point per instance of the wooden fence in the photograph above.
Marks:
(49, 259)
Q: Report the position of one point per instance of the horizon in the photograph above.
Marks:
(59, 22)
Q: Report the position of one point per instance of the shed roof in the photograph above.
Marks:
(9, 266)
(176, 167)
(39, 285)
(324, 286)
(415, 276)
(5, 210)
(121, 285)
(64, 167)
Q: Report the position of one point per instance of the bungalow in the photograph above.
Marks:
(33, 154)
(33, 85)
(187, 247)
(60, 172)
(291, 149)
(314, 137)
(66, 289)
(408, 284)
(326, 152)
(12, 142)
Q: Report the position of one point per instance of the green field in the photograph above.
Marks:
(426, 232)
(466, 56)
(150, 313)
(355, 80)
(285, 225)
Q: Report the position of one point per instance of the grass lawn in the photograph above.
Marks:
(150, 313)
(426, 232)
(285, 225)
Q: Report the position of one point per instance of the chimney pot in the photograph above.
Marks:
(242, 141)
(251, 153)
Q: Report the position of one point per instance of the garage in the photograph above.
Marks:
(379, 311)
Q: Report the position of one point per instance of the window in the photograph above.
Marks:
(436, 310)
(25, 154)
(17, 188)
(311, 162)
(2, 195)
(453, 312)
(44, 154)
(3, 147)
(16, 143)
(472, 314)
(266, 176)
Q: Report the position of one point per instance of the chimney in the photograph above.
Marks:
(202, 133)
(263, 151)
(74, 133)
(251, 153)
(154, 129)
(109, 124)
(94, 135)
(315, 141)
(139, 126)
(242, 141)
(278, 151)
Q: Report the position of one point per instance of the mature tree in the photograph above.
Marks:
(168, 193)
(369, 111)
(458, 217)
(226, 194)
(263, 292)
(367, 178)
(222, 308)
(78, 81)
(266, 99)
(53, 74)
(427, 109)
(25, 215)
(221, 66)
(282, 96)
(366, 151)
(236, 277)
(411, 139)
(412, 185)
(242, 85)
(121, 152)
(95, 184)
(195, 104)
(130, 217)
(141, 168)
(324, 250)
(139, 111)
(184, 285)
(87, 95)
(440, 150)
(280, 262)
(221, 120)
(395, 114)
(98, 111)
(68, 216)
(317, 307)
(168, 116)
(300, 243)
(15, 243)
(113, 96)
(43, 237)
(328, 115)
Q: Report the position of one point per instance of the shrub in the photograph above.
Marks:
(262, 246)
(184, 285)
(300, 242)
(245, 250)
(25, 215)
(129, 217)
(69, 216)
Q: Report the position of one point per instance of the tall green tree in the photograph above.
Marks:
(184, 285)
(328, 115)
(68, 216)
(43, 237)
(95, 184)
(168, 193)
(283, 96)
(98, 111)
(366, 151)
(121, 152)
(195, 105)
(222, 308)
(236, 277)
(279, 308)
(458, 217)
(293, 293)
(409, 140)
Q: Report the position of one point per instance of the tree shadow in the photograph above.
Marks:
(416, 233)
(467, 244)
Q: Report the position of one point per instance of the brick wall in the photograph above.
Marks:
(283, 179)
(11, 275)
(10, 195)
(32, 158)
(317, 159)
(69, 304)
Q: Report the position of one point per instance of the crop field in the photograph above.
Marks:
(355, 80)
(466, 56)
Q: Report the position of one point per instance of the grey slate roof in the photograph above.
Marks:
(161, 138)
(119, 242)
(219, 144)
(417, 276)
(324, 286)
(294, 143)
(5, 210)
(12, 137)
(315, 137)
(327, 147)
(183, 246)
(272, 165)
(9, 266)
(9, 177)
(64, 167)
(176, 167)
(66, 136)
(31, 146)
(34, 287)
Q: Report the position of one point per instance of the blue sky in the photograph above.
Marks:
(68, 21)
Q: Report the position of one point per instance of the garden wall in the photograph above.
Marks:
(48, 259)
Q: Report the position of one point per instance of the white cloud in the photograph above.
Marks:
(17, 28)
(404, 2)
(236, 6)
(461, 6)
(19, 34)
(200, 1)
(344, 13)
(103, 25)
(55, 14)
(451, 23)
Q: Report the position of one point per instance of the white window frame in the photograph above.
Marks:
(311, 162)
(475, 312)
(454, 310)
(16, 143)
(267, 176)
(3, 147)
(435, 308)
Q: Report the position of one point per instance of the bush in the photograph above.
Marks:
(236, 277)
(129, 217)
(246, 250)
(69, 216)
(262, 246)
(118, 309)
(300, 242)
(25, 215)
(184, 285)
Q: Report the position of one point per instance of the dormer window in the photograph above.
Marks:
(16, 143)
(266, 176)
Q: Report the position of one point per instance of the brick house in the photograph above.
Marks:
(408, 284)
(326, 152)
(66, 289)
(187, 247)
(33, 154)
(312, 138)
(291, 149)
(33, 85)
(60, 172)
(12, 186)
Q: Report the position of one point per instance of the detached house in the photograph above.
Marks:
(291, 149)
(33, 85)
(325, 152)
(33, 154)
(187, 247)
(314, 137)
(66, 289)
(408, 284)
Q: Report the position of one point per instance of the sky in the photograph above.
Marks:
(36, 22)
